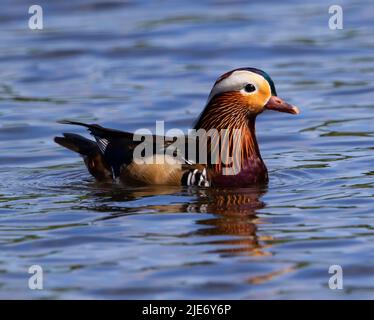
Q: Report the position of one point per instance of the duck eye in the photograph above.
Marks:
(249, 87)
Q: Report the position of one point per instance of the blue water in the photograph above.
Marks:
(126, 64)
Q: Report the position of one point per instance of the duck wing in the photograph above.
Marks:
(117, 147)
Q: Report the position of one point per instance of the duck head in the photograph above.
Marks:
(235, 100)
(250, 89)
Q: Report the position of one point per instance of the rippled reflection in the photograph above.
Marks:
(235, 211)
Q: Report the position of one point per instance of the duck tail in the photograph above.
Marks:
(77, 143)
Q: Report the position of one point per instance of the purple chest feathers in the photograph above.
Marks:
(252, 171)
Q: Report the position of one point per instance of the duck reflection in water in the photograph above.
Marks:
(233, 228)
(233, 212)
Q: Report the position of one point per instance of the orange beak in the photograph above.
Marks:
(278, 104)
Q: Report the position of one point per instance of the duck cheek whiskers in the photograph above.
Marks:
(254, 109)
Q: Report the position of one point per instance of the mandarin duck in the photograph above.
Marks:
(235, 100)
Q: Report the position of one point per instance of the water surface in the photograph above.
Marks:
(126, 64)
